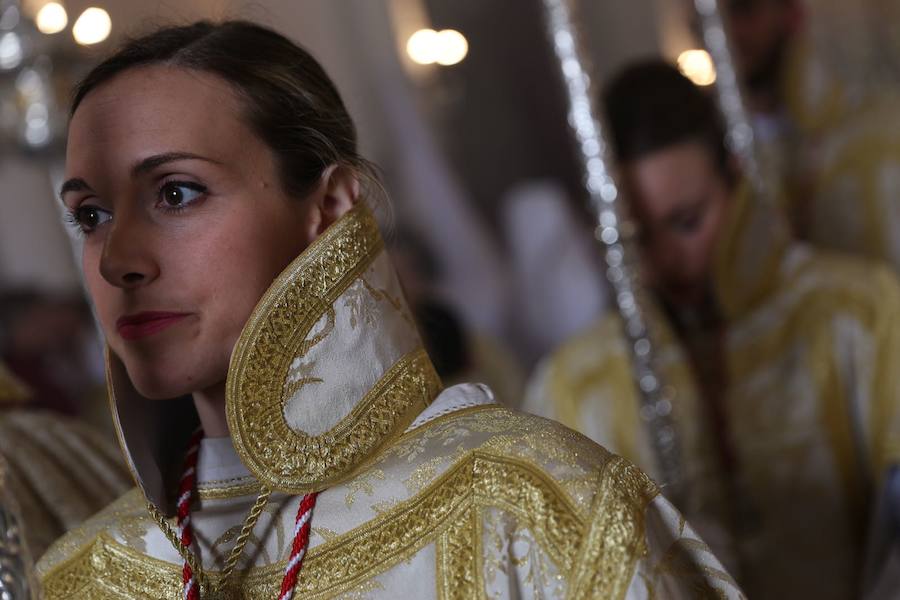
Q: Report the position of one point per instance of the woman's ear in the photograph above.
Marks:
(338, 193)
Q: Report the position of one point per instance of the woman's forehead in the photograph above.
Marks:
(155, 109)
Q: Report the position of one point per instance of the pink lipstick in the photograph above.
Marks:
(140, 325)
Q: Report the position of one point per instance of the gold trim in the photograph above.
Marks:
(452, 505)
(224, 490)
(280, 457)
(615, 539)
(106, 569)
(247, 486)
(457, 555)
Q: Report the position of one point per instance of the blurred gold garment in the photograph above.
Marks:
(458, 497)
(12, 391)
(57, 471)
(844, 155)
(810, 411)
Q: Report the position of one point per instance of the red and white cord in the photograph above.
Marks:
(190, 589)
(298, 548)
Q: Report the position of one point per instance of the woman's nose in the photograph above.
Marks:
(126, 261)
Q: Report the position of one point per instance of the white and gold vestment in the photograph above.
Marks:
(812, 402)
(427, 493)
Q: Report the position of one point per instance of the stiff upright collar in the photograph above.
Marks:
(328, 369)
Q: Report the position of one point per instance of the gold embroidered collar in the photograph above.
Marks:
(328, 369)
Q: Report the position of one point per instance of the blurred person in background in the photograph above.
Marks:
(269, 386)
(459, 353)
(555, 269)
(56, 471)
(822, 80)
(50, 342)
(783, 358)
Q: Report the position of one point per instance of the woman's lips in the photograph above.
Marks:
(133, 327)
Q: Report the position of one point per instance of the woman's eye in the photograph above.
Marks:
(87, 218)
(179, 194)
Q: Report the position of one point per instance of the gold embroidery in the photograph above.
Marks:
(615, 539)
(245, 486)
(327, 534)
(106, 569)
(423, 474)
(363, 484)
(397, 303)
(276, 335)
(301, 373)
(457, 566)
(362, 304)
(134, 528)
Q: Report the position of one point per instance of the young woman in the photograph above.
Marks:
(242, 285)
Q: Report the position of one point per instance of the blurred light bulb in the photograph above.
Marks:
(446, 47)
(92, 27)
(37, 135)
(453, 47)
(697, 65)
(11, 50)
(422, 46)
(9, 17)
(52, 18)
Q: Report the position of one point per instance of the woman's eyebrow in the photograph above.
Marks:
(151, 162)
(76, 184)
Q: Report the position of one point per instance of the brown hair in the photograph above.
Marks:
(651, 106)
(289, 100)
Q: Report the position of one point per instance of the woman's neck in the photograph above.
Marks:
(210, 404)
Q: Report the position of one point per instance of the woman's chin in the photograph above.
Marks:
(160, 376)
(159, 383)
(159, 390)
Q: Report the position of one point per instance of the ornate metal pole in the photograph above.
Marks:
(605, 205)
(16, 569)
(740, 138)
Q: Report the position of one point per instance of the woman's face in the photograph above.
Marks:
(186, 223)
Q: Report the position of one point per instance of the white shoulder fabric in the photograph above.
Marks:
(452, 399)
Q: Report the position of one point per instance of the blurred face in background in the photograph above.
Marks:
(679, 199)
(759, 32)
